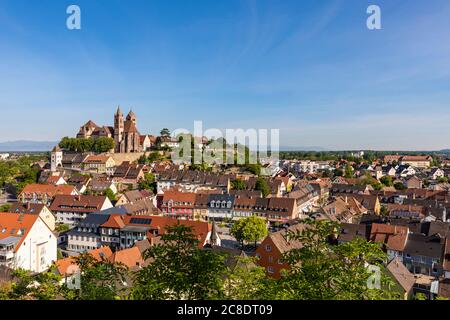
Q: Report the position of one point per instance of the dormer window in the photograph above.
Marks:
(213, 203)
(229, 204)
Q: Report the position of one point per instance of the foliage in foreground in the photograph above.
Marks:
(178, 268)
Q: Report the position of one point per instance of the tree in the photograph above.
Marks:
(5, 207)
(348, 173)
(399, 186)
(165, 132)
(250, 229)
(262, 185)
(387, 181)
(245, 280)
(338, 172)
(238, 184)
(180, 269)
(110, 194)
(328, 271)
(100, 279)
(43, 286)
(148, 183)
(103, 144)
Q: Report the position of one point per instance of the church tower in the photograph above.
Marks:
(118, 128)
(56, 159)
(132, 117)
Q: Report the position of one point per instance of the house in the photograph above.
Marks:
(99, 164)
(350, 188)
(86, 235)
(404, 280)
(306, 197)
(413, 183)
(126, 230)
(424, 254)
(436, 173)
(391, 158)
(404, 171)
(193, 181)
(220, 206)
(44, 193)
(133, 196)
(351, 231)
(276, 209)
(244, 203)
(270, 252)
(178, 204)
(80, 182)
(35, 208)
(26, 242)
(344, 209)
(169, 142)
(388, 171)
(101, 185)
(72, 209)
(68, 269)
(128, 173)
(55, 180)
(393, 238)
(416, 161)
(145, 142)
(370, 202)
(73, 161)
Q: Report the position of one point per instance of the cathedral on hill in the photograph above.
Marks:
(125, 133)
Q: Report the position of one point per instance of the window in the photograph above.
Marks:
(268, 247)
(270, 270)
(270, 259)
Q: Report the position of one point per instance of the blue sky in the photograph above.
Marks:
(309, 68)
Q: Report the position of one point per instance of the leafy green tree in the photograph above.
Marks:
(110, 194)
(238, 184)
(262, 185)
(165, 132)
(338, 172)
(5, 207)
(180, 269)
(250, 229)
(103, 144)
(43, 286)
(245, 280)
(399, 186)
(387, 181)
(148, 183)
(320, 270)
(348, 173)
(100, 279)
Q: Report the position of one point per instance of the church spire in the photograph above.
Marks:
(118, 110)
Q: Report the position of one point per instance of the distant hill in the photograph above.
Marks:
(27, 145)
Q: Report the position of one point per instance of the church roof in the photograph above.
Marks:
(131, 115)
(91, 123)
(130, 127)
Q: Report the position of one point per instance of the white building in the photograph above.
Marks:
(26, 242)
(56, 158)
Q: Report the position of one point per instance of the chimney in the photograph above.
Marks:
(346, 199)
